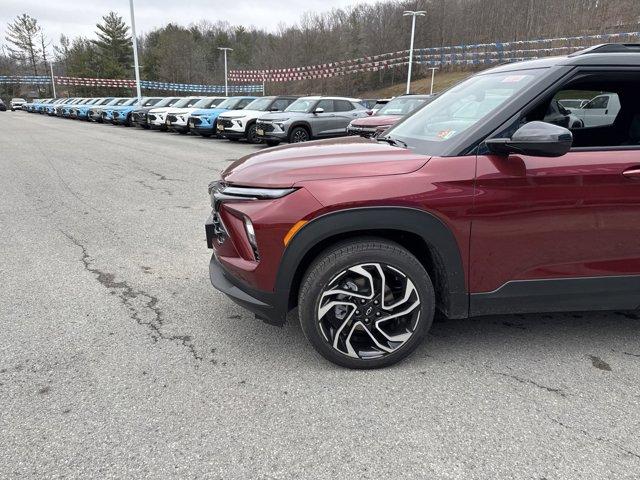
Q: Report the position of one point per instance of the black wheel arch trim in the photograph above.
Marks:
(428, 227)
(301, 123)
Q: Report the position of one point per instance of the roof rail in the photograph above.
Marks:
(609, 48)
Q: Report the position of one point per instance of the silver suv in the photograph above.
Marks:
(308, 118)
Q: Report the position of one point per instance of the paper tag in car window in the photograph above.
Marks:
(445, 134)
(513, 78)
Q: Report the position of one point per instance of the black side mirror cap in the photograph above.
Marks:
(538, 139)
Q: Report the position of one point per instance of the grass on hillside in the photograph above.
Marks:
(442, 81)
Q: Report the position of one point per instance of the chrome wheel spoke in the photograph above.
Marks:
(368, 310)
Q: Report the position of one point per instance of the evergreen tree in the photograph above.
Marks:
(114, 47)
(22, 36)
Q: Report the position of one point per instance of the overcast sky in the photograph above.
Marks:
(79, 17)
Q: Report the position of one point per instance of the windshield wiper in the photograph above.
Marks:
(392, 141)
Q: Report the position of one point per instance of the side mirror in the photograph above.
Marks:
(319, 110)
(538, 139)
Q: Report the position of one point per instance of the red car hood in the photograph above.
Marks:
(346, 157)
(376, 121)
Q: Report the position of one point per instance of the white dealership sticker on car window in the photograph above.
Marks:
(514, 78)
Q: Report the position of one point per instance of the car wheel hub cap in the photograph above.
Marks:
(368, 311)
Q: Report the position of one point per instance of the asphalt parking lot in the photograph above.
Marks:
(119, 360)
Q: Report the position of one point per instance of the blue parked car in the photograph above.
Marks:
(66, 103)
(203, 121)
(95, 112)
(107, 112)
(122, 114)
(64, 109)
(50, 108)
(73, 111)
(81, 112)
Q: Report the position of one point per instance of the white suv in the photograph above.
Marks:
(241, 122)
(17, 103)
(178, 115)
(157, 116)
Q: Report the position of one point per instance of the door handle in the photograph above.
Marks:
(633, 172)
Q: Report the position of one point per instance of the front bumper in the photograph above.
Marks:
(263, 304)
(271, 131)
(366, 132)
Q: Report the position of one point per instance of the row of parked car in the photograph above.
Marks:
(268, 119)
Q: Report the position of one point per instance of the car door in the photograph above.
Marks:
(561, 233)
(323, 123)
(345, 112)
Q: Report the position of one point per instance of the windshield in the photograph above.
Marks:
(460, 108)
(208, 102)
(302, 105)
(401, 106)
(186, 102)
(166, 102)
(129, 101)
(260, 104)
(150, 102)
(229, 103)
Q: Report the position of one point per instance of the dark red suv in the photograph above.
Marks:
(480, 203)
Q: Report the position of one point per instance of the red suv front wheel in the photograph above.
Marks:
(366, 303)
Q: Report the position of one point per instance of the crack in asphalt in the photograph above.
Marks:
(596, 438)
(155, 189)
(127, 294)
(526, 381)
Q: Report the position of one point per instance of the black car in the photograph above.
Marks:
(3, 107)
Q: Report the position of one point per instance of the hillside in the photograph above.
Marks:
(442, 81)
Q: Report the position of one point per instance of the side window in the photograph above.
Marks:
(600, 109)
(598, 102)
(343, 106)
(326, 105)
(244, 102)
(281, 104)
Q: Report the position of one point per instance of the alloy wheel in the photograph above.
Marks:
(300, 135)
(368, 311)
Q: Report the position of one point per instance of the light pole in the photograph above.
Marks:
(407, 13)
(135, 52)
(433, 73)
(226, 83)
(53, 83)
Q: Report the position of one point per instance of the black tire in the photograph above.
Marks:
(273, 143)
(252, 134)
(332, 267)
(299, 135)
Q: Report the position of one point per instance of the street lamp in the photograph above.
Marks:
(407, 13)
(53, 83)
(135, 52)
(226, 83)
(433, 73)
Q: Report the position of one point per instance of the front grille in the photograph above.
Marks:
(266, 127)
(115, 115)
(151, 117)
(172, 118)
(195, 120)
(225, 123)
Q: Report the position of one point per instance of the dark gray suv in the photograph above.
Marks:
(308, 118)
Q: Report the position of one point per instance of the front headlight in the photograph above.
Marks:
(251, 235)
